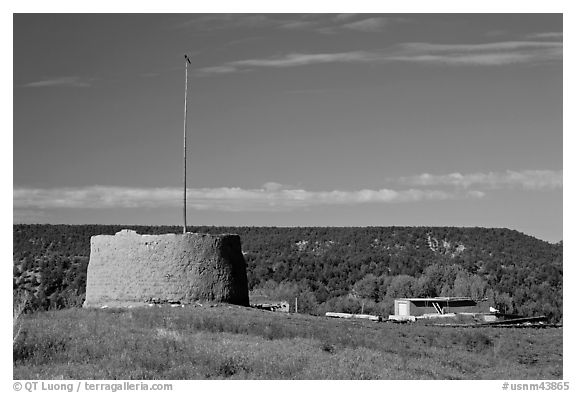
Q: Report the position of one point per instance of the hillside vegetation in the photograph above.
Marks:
(232, 342)
(329, 269)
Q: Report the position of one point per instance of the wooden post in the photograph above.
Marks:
(185, 117)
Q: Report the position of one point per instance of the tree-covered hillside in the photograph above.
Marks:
(328, 268)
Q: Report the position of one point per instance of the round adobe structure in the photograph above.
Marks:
(128, 269)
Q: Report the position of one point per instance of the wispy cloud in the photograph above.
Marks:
(290, 60)
(270, 197)
(487, 54)
(373, 24)
(338, 23)
(214, 22)
(318, 23)
(299, 25)
(345, 17)
(549, 35)
(536, 180)
(64, 81)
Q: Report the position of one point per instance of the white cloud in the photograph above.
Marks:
(223, 69)
(299, 25)
(486, 47)
(94, 197)
(550, 35)
(317, 23)
(373, 24)
(487, 54)
(528, 180)
(300, 59)
(65, 81)
(274, 196)
(272, 186)
(290, 60)
(344, 17)
(271, 197)
(211, 22)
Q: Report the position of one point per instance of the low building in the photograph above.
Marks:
(411, 308)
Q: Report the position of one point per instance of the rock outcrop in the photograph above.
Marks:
(129, 269)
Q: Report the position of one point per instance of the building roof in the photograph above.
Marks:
(435, 299)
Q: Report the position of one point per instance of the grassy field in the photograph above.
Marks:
(240, 343)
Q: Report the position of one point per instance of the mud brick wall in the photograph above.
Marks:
(129, 268)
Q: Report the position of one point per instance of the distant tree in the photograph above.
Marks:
(383, 282)
(478, 287)
(461, 286)
(520, 273)
(424, 287)
(401, 286)
(367, 287)
(503, 302)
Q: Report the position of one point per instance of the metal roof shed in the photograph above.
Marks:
(406, 307)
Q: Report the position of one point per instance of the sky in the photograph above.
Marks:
(293, 120)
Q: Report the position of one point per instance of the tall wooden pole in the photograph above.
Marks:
(185, 117)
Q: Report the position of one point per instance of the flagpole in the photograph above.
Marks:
(185, 117)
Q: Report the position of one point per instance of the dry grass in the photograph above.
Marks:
(239, 343)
